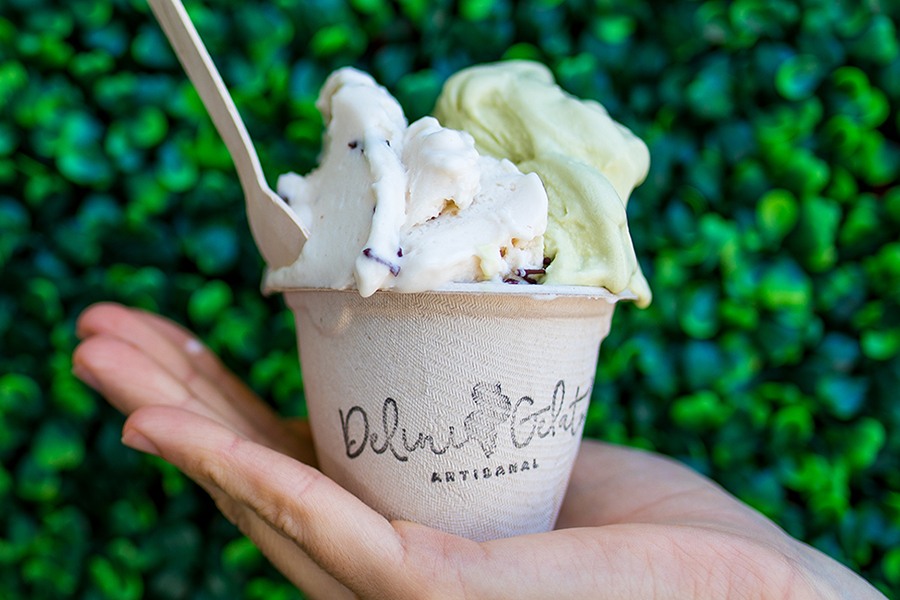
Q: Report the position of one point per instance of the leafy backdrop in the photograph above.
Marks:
(768, 228)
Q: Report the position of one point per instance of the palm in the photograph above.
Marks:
(633, 524)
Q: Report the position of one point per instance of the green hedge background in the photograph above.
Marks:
(768, 228)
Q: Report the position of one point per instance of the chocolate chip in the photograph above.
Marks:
(392, 267)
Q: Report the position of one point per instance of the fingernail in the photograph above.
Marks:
(138, 441)
(85, 375)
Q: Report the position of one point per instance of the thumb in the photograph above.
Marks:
(345, 537)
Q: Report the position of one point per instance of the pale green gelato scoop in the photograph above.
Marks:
(589, 165)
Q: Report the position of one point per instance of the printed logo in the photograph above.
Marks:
(483, 424)
(495, 417)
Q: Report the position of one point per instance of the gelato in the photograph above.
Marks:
(407, 207)
(589, 165)
(514, 181)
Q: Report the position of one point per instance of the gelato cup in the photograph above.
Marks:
(462, 408)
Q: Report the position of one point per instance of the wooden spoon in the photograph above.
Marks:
(278, 232)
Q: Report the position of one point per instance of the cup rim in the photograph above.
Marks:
(535, 291)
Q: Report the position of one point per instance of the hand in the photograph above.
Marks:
(633, 524)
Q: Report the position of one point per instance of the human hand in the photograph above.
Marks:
(633, 524)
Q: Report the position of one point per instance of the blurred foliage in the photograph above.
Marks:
(768, 228)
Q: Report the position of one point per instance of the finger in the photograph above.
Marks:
(613, 484)
(130, 380)
(189, 362)
(637, 561)
(206, 362)
(176, 350)
(244, 400)
(283, 553)
(349, 540)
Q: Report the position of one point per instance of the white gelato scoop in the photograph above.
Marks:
(409, 208)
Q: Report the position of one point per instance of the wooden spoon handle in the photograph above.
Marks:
(278, 233)
(196, 61)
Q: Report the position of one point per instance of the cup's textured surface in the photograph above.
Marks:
(463, 411)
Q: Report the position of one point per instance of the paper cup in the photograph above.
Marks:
(461, 409)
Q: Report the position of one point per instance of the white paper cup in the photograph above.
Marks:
(461, 409)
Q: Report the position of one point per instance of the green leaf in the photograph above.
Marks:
(879, 42)
(113, 581)
(476, 10)
(792, 425)
(266, 589)
(372, 7)
(863, 223)
(241, 553)
(337, 38)
(36, 483)
(864, 442)
(207, 303)
(699, 312)
(58, 446)
(19, 395)
(844, 395)
(785, 285)
(133, 515)
(858, 99)
(214, 248)
(614, 29)
(881, 344)
(892, 203)
(14, 229)
(891, 566)
(798, 76)
(176, 173)
(817, 232)
(777, 213)
(703, 364)
(709, 94)
(700, 411)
